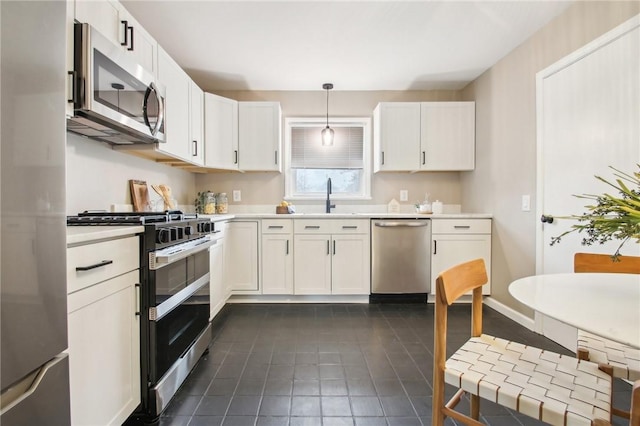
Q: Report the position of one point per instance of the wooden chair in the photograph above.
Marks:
(624, 360)
(554, 388)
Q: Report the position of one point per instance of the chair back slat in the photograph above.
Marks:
(591, 262)
(460, 279)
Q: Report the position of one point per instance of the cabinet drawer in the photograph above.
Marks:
(461, 226)
(313, 226)
(350, 226)
(277, 226)
(92, 263)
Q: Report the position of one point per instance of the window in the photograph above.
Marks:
(308, 164)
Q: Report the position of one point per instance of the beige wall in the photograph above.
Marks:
(506, 135)
(98, 176)
(268, 188)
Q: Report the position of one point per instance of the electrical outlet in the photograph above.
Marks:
(404, 195)
(237, 195)
(526, 203)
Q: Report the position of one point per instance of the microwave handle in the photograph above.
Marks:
(154, 88)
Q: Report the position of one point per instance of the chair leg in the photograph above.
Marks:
(635, 404)
(475, 407)
(582, 354)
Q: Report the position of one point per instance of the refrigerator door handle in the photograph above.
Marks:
(27, 386)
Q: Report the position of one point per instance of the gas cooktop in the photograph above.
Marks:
(101, 217)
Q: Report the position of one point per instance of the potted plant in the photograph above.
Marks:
(611, 217)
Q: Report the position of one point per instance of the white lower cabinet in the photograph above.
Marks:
(331, 257)
(459, 240)
(218, 291)
(104, 334)
(241, 257)
(312, 264)
(350, 270)
(277, 256)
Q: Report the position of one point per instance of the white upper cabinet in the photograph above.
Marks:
(177, 122)
(259, 136)
(196, 116)
(134, 39)
(424, 136)
(396, 136)
(220, 132)
(113, 21)
(447, 135)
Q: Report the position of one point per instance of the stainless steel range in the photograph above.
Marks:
(174, 278)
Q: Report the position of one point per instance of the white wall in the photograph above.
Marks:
(506, 135)
(98, 176)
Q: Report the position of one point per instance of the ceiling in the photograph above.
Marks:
(356, 45)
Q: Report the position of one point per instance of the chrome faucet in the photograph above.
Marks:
(329, 206)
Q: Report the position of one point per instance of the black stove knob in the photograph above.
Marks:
(188, 230)
(163, 236)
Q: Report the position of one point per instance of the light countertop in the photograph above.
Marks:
(85, 234)
(349, 216)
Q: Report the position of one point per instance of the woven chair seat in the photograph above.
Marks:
(557, 389)
(625, 360)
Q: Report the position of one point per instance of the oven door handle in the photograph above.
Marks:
(156, 313)
(157, 261)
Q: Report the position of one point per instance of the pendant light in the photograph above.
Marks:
(327, 132)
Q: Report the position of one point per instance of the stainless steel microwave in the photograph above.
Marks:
(115, 99)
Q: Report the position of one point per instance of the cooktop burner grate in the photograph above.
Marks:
(97, 218)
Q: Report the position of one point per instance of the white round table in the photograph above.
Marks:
(607, 305)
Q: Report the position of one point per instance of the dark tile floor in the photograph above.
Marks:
(330, 365)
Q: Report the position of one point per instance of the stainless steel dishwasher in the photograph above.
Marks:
(400, 256)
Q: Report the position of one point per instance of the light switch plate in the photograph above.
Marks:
(526, 203)
(237, 195)
(404, 195)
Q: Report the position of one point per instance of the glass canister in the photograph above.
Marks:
(222, 203)
(209, 203)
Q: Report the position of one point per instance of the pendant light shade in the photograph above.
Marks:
(327, 132)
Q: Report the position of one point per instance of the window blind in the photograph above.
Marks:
(346, 152)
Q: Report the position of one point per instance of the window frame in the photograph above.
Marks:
(289, 184)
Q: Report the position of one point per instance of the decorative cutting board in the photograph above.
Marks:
(139, 195)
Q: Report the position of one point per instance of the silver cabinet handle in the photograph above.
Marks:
(137, 288)
(461, 226)
(334, 247)
(287, 252)
(435, 246)
(328, 248)
(349, 226)
(276, 226)
(311, 227)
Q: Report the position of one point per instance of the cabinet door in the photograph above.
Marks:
(241, 257)
(220, 132)
(450, 250)
(218, 296)
(396, 136)
(312, 264)
(103, 15)
(104, 351)
(177, 122)
(447, 136)
(277, 264)
(350, 264)
(137, 42)
(196, 128)
(259, 136)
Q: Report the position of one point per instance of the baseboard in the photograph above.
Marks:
(510, 313)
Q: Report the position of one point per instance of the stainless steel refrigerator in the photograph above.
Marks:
(34, 368)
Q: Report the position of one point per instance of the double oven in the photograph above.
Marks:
(175, 301)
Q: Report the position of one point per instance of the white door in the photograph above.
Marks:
(588, 120)
(277, 264)
(312, 264)
(350, 264)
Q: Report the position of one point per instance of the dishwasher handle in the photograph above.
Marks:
(401, 224)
